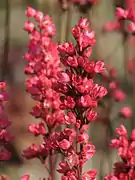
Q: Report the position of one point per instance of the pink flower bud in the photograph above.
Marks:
(99, 67)
(111, 177)
(115, 143)
(30, 12)
(39, 16)
(66, 48)
(83, 23)
(119, 95)
(70, 118)
(37, 129)
(2, 85)
(121, 13)
(63, 77)
(25, 177)
(83, 138)
(112, 85)
(133, 135)
(121, 131)
(4, 177)
(72, 61)
(112, 25)
(126, 112)
(4, 154)
(28, 26)
(91, 175)
(64, 144)
(131, 27)
(91, 115)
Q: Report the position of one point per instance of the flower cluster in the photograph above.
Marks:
(43, 64)
(79, 98)
(115, 93)
(5, 135)
(125, 169)
(68, 98)
(122, 15)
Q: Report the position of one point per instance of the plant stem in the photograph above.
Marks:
(69, 19)
(63, 26)
(6, 41)
(52, 165)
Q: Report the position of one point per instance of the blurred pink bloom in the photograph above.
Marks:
(126, 112)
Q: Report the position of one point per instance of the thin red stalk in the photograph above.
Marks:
(6, 40)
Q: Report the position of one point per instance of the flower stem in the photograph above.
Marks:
(6, 41)
(69, 19)
(52, 165)
(63, 25)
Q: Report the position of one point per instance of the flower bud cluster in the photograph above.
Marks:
(79, 96)
(5, 135)
(124, 169)
(42, 67)
(122, 15)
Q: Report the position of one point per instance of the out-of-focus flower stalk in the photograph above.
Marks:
(65, 22)
(63, 25)
(6, 40)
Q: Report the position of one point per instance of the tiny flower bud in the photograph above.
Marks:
(133, 135)
(64, 144)
(82, 138)
(91, 115)
(121, 13)
(28, 26)
(30, 12)
(126, 112)
(63, 77)
(121, 131)
(39, 16)
(119, 95)
(25, 177)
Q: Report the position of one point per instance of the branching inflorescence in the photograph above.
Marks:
(64, 97)
(79, 97)
(124, 169)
